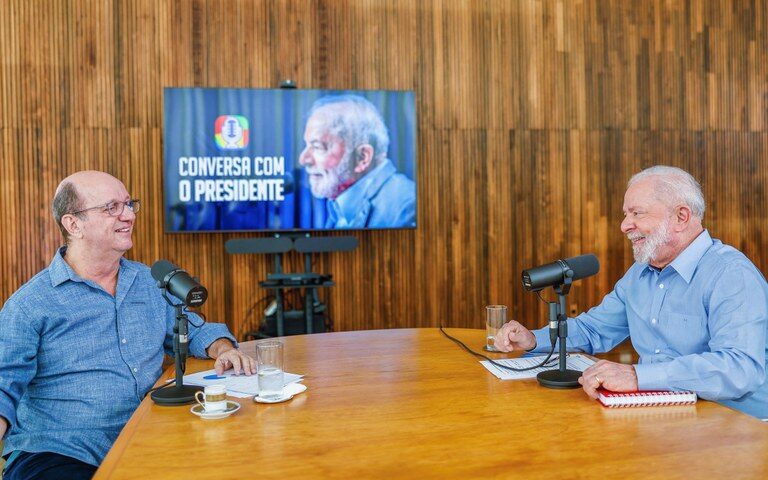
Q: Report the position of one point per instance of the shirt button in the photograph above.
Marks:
(653, 321)
(124, 340)
(655, 351)
(136, 369)
(661, 285)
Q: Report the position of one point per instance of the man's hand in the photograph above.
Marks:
(227, 356)
(514, 336)
(616, 377)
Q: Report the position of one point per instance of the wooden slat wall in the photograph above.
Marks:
(532, 116)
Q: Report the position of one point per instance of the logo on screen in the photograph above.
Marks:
(231, 132)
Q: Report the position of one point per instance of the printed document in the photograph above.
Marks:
(240, 386)
(573, 361)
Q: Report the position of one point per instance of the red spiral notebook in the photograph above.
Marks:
(644, 398)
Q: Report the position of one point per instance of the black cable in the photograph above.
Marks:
(199, 314)
(493, 362)
(246, 325)
(538, 292)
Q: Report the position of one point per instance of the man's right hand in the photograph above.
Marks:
(513, 336)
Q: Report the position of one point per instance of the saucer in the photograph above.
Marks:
(198, 410)
(289, 391)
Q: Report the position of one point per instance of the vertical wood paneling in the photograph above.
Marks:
(532, 116)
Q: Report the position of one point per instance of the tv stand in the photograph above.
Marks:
(280, 281)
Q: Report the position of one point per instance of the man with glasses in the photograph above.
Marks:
(82, 342)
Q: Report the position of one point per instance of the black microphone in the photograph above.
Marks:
(556, 273)
(179, 283)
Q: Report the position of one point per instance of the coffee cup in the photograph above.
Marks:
(214, 398)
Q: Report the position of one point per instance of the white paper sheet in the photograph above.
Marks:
(574, 361)
(240, 386)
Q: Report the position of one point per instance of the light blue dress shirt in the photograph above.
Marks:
(699, 324)
(75, 362)
(382, 198)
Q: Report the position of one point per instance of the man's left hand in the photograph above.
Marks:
(227, 356)
(616, 377)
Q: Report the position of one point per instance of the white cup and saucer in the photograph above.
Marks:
(214, 404)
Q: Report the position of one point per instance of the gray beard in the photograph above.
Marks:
(328, 187)
(653, 242)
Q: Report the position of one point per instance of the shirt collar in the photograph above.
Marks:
(347, 205)
(60, 271)
(685, 263)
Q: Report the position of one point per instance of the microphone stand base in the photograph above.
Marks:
(173, 395)
(559, 379)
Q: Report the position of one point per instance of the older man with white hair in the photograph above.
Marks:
(345, 159)
(695, 309)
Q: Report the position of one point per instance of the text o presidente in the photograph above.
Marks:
(231, 189)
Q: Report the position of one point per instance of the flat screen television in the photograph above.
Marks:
(288, 160)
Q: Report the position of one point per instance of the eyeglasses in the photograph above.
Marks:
(115, 208)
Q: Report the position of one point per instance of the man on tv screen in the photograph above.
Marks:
(346, 162)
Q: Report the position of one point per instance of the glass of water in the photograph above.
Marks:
(495, 318)
(269, 357)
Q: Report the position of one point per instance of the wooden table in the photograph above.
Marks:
(412, 404)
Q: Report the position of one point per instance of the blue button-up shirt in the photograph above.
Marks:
(75, 361)
(699, 324)
(382, 198)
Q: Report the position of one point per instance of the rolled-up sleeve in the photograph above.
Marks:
(19, 340)
(737, 323)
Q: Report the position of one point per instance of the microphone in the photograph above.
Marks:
(174, 280)
(560, 275)
(556, 273)
(179, 283)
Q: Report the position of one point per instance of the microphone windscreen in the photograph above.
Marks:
(161, 268)
(583, 266)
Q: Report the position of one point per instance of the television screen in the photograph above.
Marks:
(282, 160)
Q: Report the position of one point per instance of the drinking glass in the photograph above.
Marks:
(269, 357)
(495, 318)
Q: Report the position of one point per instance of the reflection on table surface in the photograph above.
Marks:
(411, 403)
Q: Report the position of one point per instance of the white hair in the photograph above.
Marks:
(356, 120)
(674, 186)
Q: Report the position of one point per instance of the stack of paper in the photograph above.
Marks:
(572, 362)
(240, 386)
